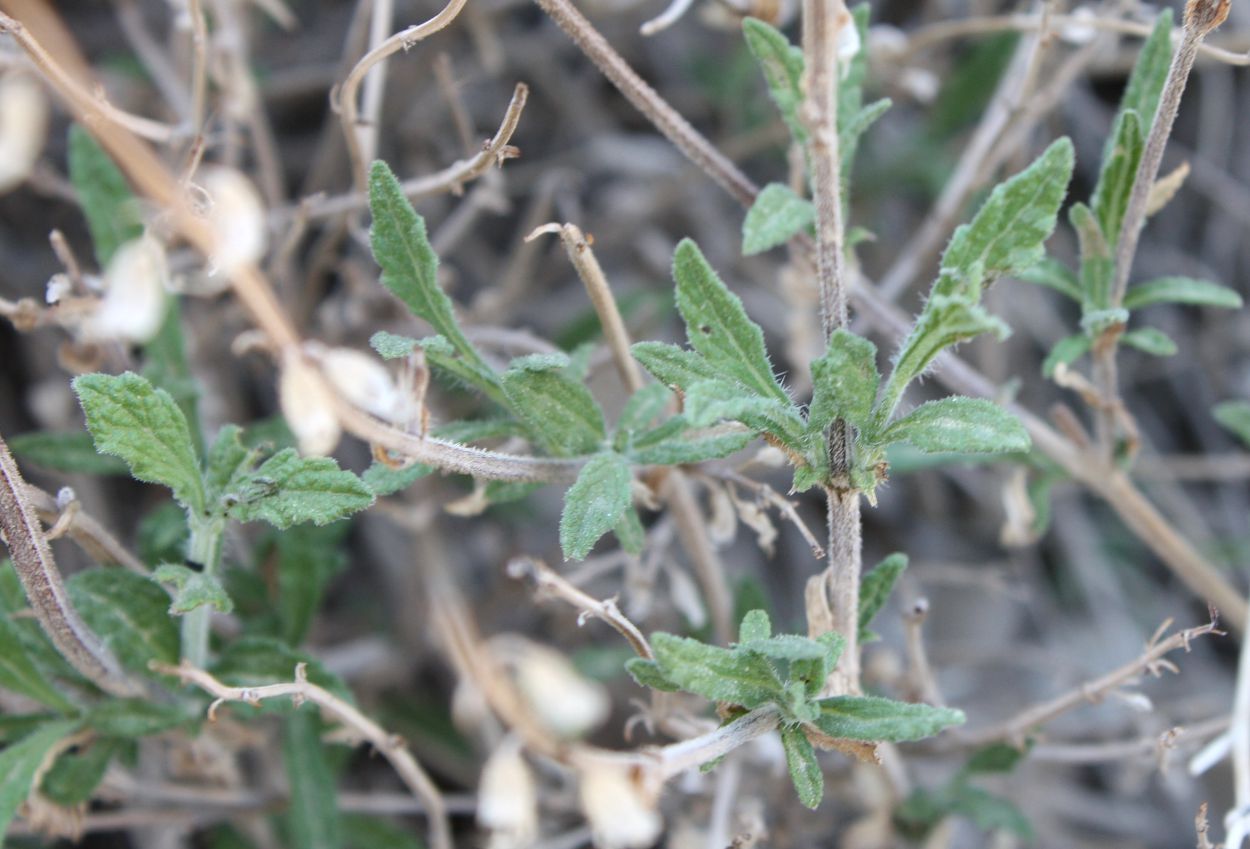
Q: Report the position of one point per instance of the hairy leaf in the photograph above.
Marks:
(19, 763)
(755, 626)
(392, 346)
(642, 408)
(1151, 340)
(673, 366)
(1097, 265)
(680, 444)
(113, 216)
(996, 757)
(192, 589)
(313, 812)
(718, 674)
(561, 413)
(1053, 274)
(131, 718)
(647, 673)
(1119, 170)
(129, 613)
(1181, 290)
(73, 452)
(718, 327)
(75, 775)
(1066, 352)
(289, 489)
(782, 64)
(308, 558)
(384, 480)
(878, 719)
(875, 589)
(1145, 84)
(809, 781)
(844, 382)
(19, 674)
(714, 400)
(777, 215)
(960, 425)
(594, 503)
(131, 419)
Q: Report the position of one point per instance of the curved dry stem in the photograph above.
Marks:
(83, 529)
(671, 15)
(345, 99)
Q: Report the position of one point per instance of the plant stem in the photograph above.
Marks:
(204, 550)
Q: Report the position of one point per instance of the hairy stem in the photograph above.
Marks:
(204, 551)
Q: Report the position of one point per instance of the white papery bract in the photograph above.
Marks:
(236, 215)
(23, 127)
(617, 808)
(135, 287)
(308, 406)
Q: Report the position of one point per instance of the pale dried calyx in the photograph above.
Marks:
(307, 405)
(23, 127)
(364, 382)
(566, 703)
(620, 811)
(507, 803)
(236, 215)
(135, 287)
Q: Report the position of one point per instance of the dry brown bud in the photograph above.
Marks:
(1205, 15)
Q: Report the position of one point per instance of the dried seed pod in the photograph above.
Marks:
(1205, 15)
(566, 703)
(363, 381)
(307, 405)
(620, 811)
(507, 803)
(236, 215)
(135, 285)
(23, 127)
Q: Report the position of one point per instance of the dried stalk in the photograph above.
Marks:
(32, 559)
(389, 745)
(83, 529)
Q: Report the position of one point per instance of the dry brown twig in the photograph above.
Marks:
(300, 690)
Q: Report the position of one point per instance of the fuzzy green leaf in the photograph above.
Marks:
(718, 327)
(20, 761)
(113, 216)
(994, 758)
(1053, 274)
(755, 626)
(776, 215)
(960, 425)
(782, 64)
(851, 127)
(594, 503)
(844, 381)
(192, 589)
(1151, 340)
(671, 365)
(714, 400)
(787, 647)
(129, 613)
(131, 419)
(392, 346)
(1145, 84)
(1181, 290)
(878, 719)
(1235, 416)
(809, 781)
(630, 532)
(19, 674)
(409, 264)
(289, 489)
(1066, 351)
(718, 674)
(687, 446)
(875, 589)
(1097, 266)
(75, 775)
(647, 673)
(1008, 232)
(811, 673)
(643, 408)
(1119, 170)
(308, 558)
(561, 413)
(384, 480)
(71, 452)
(131, 718)
(313, 813)
(1097, 322)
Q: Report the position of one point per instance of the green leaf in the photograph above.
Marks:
(671, 365)
(229, 461)
(561, 413)
(714, 400)
(166, 365)
(851, 127)
(996, 757)
(642, 408)
(687, 446)
(809, 781)
(1235, 416)
(308, 558)
(630, 532)
(989, 812)
(776, 215)
(1181, 290)
(392, 346)
(1007, 233)
(1145, 84)
(289, 489)
(20, 761)
(594, 503)
(112, 213)
(1053, 274)
(131, 718)
(75, 775)
(71, 452)
(129, 613)
(1119, 170)
(1097, 322)
(718, 327)
(875, 589)
(361, 831)
(19, 674)
(384, 480)
(782, 64)
(1151, 340)
(1066, 351)
(755, 626)
(255, 661)
(410, 266)
(962, 425)
(313, 814)
(844, 382)
(192, 589)
(786, 647)
(878, 719)
(647, 673)
(718, 674)
(947, 320)
(811, 673)
(1097, 266)
(163, 534)
(133, 420)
